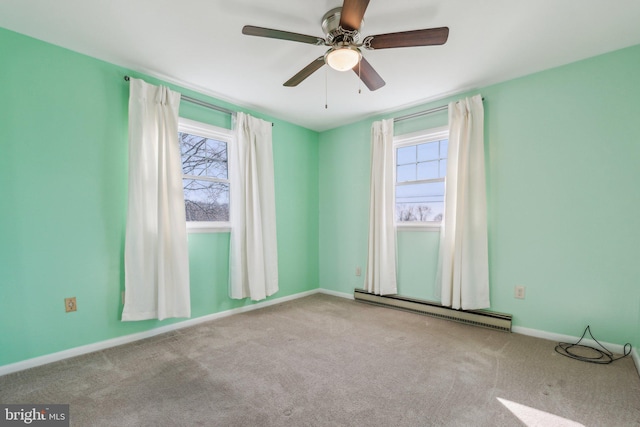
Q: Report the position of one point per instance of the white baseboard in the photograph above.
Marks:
(336, 293)
(636, 359)
(102, 345)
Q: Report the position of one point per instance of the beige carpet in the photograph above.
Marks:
(326, 361)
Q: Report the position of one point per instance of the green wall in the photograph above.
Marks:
(563, 199)
(562, 151)
(63, 197)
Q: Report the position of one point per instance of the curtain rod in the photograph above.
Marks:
(422, 113)
(200, 103)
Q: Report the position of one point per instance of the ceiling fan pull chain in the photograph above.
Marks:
(359, 78)
(326, 84)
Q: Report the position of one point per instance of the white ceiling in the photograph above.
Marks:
(198, 44)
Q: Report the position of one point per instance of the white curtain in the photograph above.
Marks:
(463, 259)
(253, 252)
(156, 252)
(381, 259)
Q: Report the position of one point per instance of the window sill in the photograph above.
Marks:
(418, 226)
(208, 227)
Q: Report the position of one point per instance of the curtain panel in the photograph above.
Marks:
(156, 251)
(463, 266)
(380, 277)
(253, 251)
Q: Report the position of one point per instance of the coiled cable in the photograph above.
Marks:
(601, 357)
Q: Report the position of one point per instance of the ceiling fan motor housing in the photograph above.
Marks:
(334, 32)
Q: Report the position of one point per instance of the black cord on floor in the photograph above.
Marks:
(602, 357)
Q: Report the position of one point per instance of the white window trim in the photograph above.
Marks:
(427, 135)
(219, 134)
(418, 226)
(208, 227)
(422, 136)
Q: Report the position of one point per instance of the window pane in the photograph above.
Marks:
(406, 155)
(443, 168)
(444, 148)
(203, 156)
(420, 202)
(428, 170)
(428, 151)
(205, 200)
(217, 154)
(406, 173)
(192, 149)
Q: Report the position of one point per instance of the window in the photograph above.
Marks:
(205, 174)
(421, 167)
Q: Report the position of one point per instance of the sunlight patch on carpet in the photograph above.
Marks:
(532, 417)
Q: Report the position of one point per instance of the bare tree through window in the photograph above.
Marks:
(205, 178)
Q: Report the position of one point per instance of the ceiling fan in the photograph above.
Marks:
(341, 27)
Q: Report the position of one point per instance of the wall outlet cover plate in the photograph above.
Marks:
(70, 304)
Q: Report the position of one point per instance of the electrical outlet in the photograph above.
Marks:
(358, 271)
(519, 292)
(70, 304)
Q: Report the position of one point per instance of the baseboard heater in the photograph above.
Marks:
(483, 318)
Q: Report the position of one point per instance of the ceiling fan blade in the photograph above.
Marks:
(250, 30)
(305, 72)
(352, 14)
(368, 75)
(427, 37)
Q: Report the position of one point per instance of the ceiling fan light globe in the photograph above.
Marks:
(343, 59)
